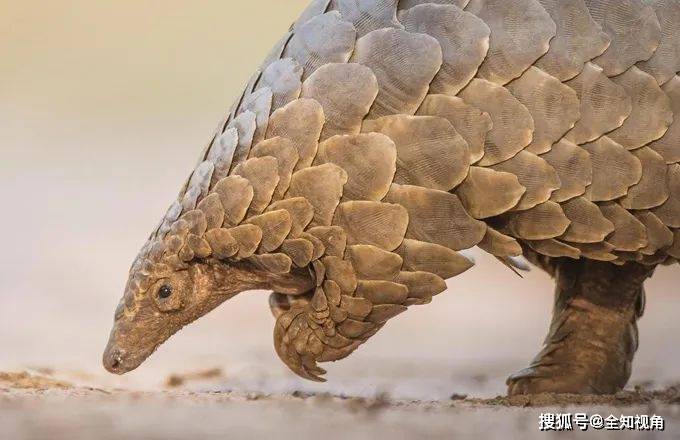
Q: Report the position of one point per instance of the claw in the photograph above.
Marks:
(304, 366)
(306, 334)
(291, 345)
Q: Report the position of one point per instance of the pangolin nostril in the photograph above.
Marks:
(113, 360)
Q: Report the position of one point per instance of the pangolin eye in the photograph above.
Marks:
(165, 291)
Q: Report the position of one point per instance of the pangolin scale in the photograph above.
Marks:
(380, 138)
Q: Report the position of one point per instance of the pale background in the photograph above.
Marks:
(104, 108)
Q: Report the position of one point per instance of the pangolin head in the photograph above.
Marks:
(177, 278)
(162, 295)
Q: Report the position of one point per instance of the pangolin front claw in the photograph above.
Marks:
(295, 342)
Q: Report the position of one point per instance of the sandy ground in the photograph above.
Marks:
(37, 407)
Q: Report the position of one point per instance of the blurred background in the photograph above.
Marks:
(104, 108)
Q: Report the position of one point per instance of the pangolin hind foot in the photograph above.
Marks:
(593, 335)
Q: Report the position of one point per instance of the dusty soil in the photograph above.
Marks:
(434, 373)
(39, 406)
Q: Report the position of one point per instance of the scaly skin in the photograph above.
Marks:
(380, 138)
(593, 335)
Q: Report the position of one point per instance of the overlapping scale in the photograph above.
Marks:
(364, 153)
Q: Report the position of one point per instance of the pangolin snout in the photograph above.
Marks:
(114, 360)
(117, 359)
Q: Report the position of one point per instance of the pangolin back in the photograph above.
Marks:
(381, 137)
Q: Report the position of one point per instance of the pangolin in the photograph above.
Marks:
(380, 138)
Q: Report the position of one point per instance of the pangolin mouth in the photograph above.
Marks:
(123, 354)
(116, 362)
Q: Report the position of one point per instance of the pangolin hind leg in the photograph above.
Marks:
(593, 335)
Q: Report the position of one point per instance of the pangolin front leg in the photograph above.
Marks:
(280, 303)
(593, 335)
(351, 303)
